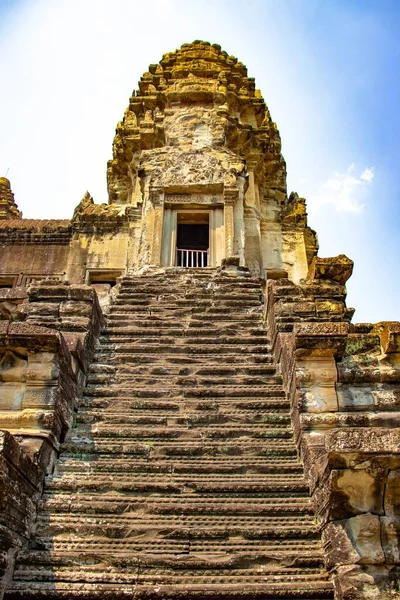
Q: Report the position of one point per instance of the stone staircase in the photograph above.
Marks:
(180, 478)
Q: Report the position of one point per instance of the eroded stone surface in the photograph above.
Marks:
(180, 479)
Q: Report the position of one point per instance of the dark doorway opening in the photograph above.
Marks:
(192, 240)
(192, 236)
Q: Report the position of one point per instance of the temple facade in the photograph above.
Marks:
(186, 408)
(196, 151)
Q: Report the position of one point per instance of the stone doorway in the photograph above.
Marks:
(192, 239)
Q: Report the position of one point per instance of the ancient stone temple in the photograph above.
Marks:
(186, 409)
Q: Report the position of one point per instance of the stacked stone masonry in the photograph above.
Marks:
(170, 431)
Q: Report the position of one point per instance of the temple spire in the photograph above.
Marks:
(8, 208)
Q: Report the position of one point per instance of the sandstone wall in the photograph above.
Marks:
(344, 384)
(43, 364)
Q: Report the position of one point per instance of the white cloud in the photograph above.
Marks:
(345, 191)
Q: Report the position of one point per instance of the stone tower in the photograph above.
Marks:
(186, 409)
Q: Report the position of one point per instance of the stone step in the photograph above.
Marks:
(198, 368)
(187, 342)
(170, 283)
(133, 331)
(144, 319)
(142, 505)
(228, 465)
(178, 484)
(184, 406)
(122, 448)
(102, 545)
(182, 293)
(145, 587)
(90, 416)
(168, 358)
(216, 349)
(172, 391)
(274, 524)
(221, 432)
(204, 306)
(135, 302)
(183, 377)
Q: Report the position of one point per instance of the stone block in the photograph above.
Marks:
(316, 378)
(354, 582)
(12, 366)
(355, 397)
(391, 539)
(12, 395)
(360, 343)
(44, 309)
(363, 440)
(75, 323)
(275, 274)
(392, 494)
(362, 489)
(354, 541)
(320, 338)
(73, 308)
(329, 308)
(42, 366)
(389, 333)
(338, 269)
(37, 396)
(43, 291)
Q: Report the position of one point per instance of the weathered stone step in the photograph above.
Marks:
(170, 283)
(118, 333)
(232, 464)
(184, 405)
(213, 283)
(175, 448)
(90, 416)
(167, 358)
(220, 391)
(303, 519)
(164, 569)
(170, 490)
(210, 432)
(190, 505)
(169, 301)
(183, 380)
(85, 479)
(286, 546)
(197, 367)
(215, 349)
(244, 320)
(253, 296)
(188, 343)
(269, 589)
(225, 313)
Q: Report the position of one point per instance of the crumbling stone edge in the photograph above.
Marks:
(343, 382)
(44, 362)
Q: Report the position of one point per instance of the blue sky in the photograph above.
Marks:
(329, 71)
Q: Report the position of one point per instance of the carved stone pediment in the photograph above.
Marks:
(179, 170)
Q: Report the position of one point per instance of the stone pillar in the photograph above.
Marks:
(230, 196)
(157, 199)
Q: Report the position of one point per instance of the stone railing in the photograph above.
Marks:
(343, 382)
(43, 366)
